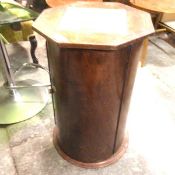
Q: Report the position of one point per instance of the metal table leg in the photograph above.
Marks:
(19, 100)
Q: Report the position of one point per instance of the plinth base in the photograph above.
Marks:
(116, 156)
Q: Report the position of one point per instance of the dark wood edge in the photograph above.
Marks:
(107, 162)
(162, 24)
(92, 46)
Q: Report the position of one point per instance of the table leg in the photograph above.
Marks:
(144, 52)
(158, 19)
(33, 47)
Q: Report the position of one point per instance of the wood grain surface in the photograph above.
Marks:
(100, 25)
(164, 6)
(92, 69)
(93, 89)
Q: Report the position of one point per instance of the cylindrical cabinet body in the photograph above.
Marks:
(92, 69)
(93, 89)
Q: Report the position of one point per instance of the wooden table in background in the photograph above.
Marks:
(55, 3)
(156, 8)
(164, 6)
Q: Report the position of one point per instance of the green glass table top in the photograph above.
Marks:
(11, 13)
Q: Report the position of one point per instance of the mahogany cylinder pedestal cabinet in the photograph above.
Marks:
(93, 52)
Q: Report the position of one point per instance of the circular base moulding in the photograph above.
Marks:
(114, 158)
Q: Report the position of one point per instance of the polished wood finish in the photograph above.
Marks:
(157, 9)
(100, 26)
(92, 72)
(55, 3)
(93, 89)
(115, 157)
(129, 77)
(165, 6)
(168, 17)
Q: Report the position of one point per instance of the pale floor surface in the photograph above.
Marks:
(26, 148)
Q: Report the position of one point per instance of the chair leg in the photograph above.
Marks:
(33, 43)
(144, 52)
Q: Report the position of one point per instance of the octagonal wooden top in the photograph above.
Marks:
(93, 25)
